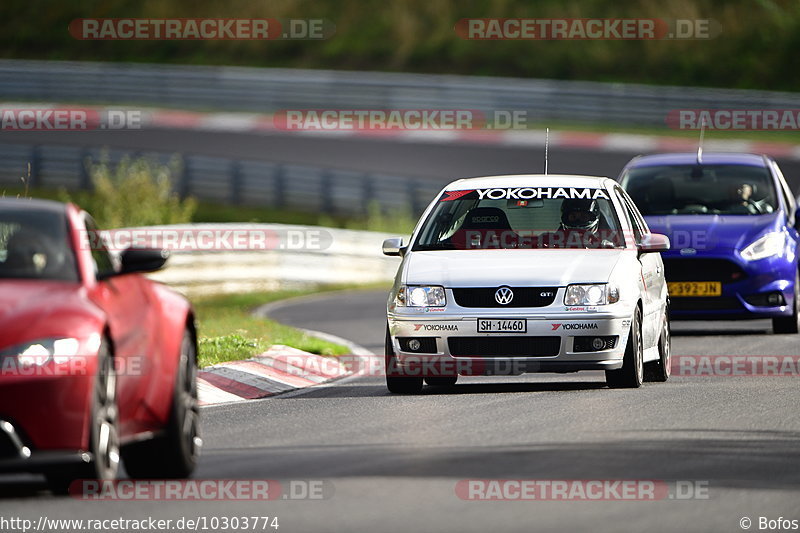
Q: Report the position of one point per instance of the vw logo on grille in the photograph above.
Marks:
(504, 295)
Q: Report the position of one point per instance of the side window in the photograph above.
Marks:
(103, 264)
(634, 219)
(636, 213)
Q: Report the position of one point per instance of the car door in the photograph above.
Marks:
(652, 275)
(124, 302)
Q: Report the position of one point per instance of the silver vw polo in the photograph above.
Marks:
(528, 273)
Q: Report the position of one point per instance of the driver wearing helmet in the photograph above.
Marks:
(580, 221)
(580, 215)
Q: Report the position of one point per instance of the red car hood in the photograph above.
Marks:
(32, 309)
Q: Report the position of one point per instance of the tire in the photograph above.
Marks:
(174, 453)
(441, 381)
(104, 430)
(660, 371)
(631, 375)
(789, 324)
(395, 384)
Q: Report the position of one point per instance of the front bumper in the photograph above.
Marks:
(15, 456)
(564, 327)
(48, 406)
(742, 298)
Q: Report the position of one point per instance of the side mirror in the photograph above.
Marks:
(142, 260)
(393, 246)
(654, 242)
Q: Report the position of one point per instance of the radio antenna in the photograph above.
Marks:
(700, 144)
(546, 147)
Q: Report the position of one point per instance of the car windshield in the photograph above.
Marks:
(527, 217)
(701, 190)
(33, 245)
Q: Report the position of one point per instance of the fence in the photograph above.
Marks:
(239, 182)
(333, 191)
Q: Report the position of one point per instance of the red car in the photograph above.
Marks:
(97, 363)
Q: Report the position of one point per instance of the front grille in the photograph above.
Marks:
(704, 304)
(523, 297)
(504, 346)
(687, 269)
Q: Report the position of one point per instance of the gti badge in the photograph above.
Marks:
(504, 295)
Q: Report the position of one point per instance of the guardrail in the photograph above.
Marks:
(233, 181)
(346, 256)
(269, 90)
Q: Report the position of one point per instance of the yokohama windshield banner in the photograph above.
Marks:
(527, 193)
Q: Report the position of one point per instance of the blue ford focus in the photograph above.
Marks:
(733, 224)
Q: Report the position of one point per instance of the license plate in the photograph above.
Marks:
(695, 288)
(502, 325)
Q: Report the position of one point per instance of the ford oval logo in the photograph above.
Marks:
(688, 251)
(504, 295)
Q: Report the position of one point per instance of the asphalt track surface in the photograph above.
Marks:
(391, 463)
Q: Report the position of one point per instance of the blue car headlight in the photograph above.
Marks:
(770, 244)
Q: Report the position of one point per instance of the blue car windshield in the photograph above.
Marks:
(701, 189)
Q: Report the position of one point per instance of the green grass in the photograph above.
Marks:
(228, 331)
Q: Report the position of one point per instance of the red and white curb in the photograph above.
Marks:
(611, 142)
(280, 369)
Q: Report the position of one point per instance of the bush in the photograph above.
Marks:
(135, 192)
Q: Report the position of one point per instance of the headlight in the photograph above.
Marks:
(41, 351)
(421, 296)
(595, 294)
(770, 244)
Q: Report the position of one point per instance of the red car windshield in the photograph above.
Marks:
(34, 245)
